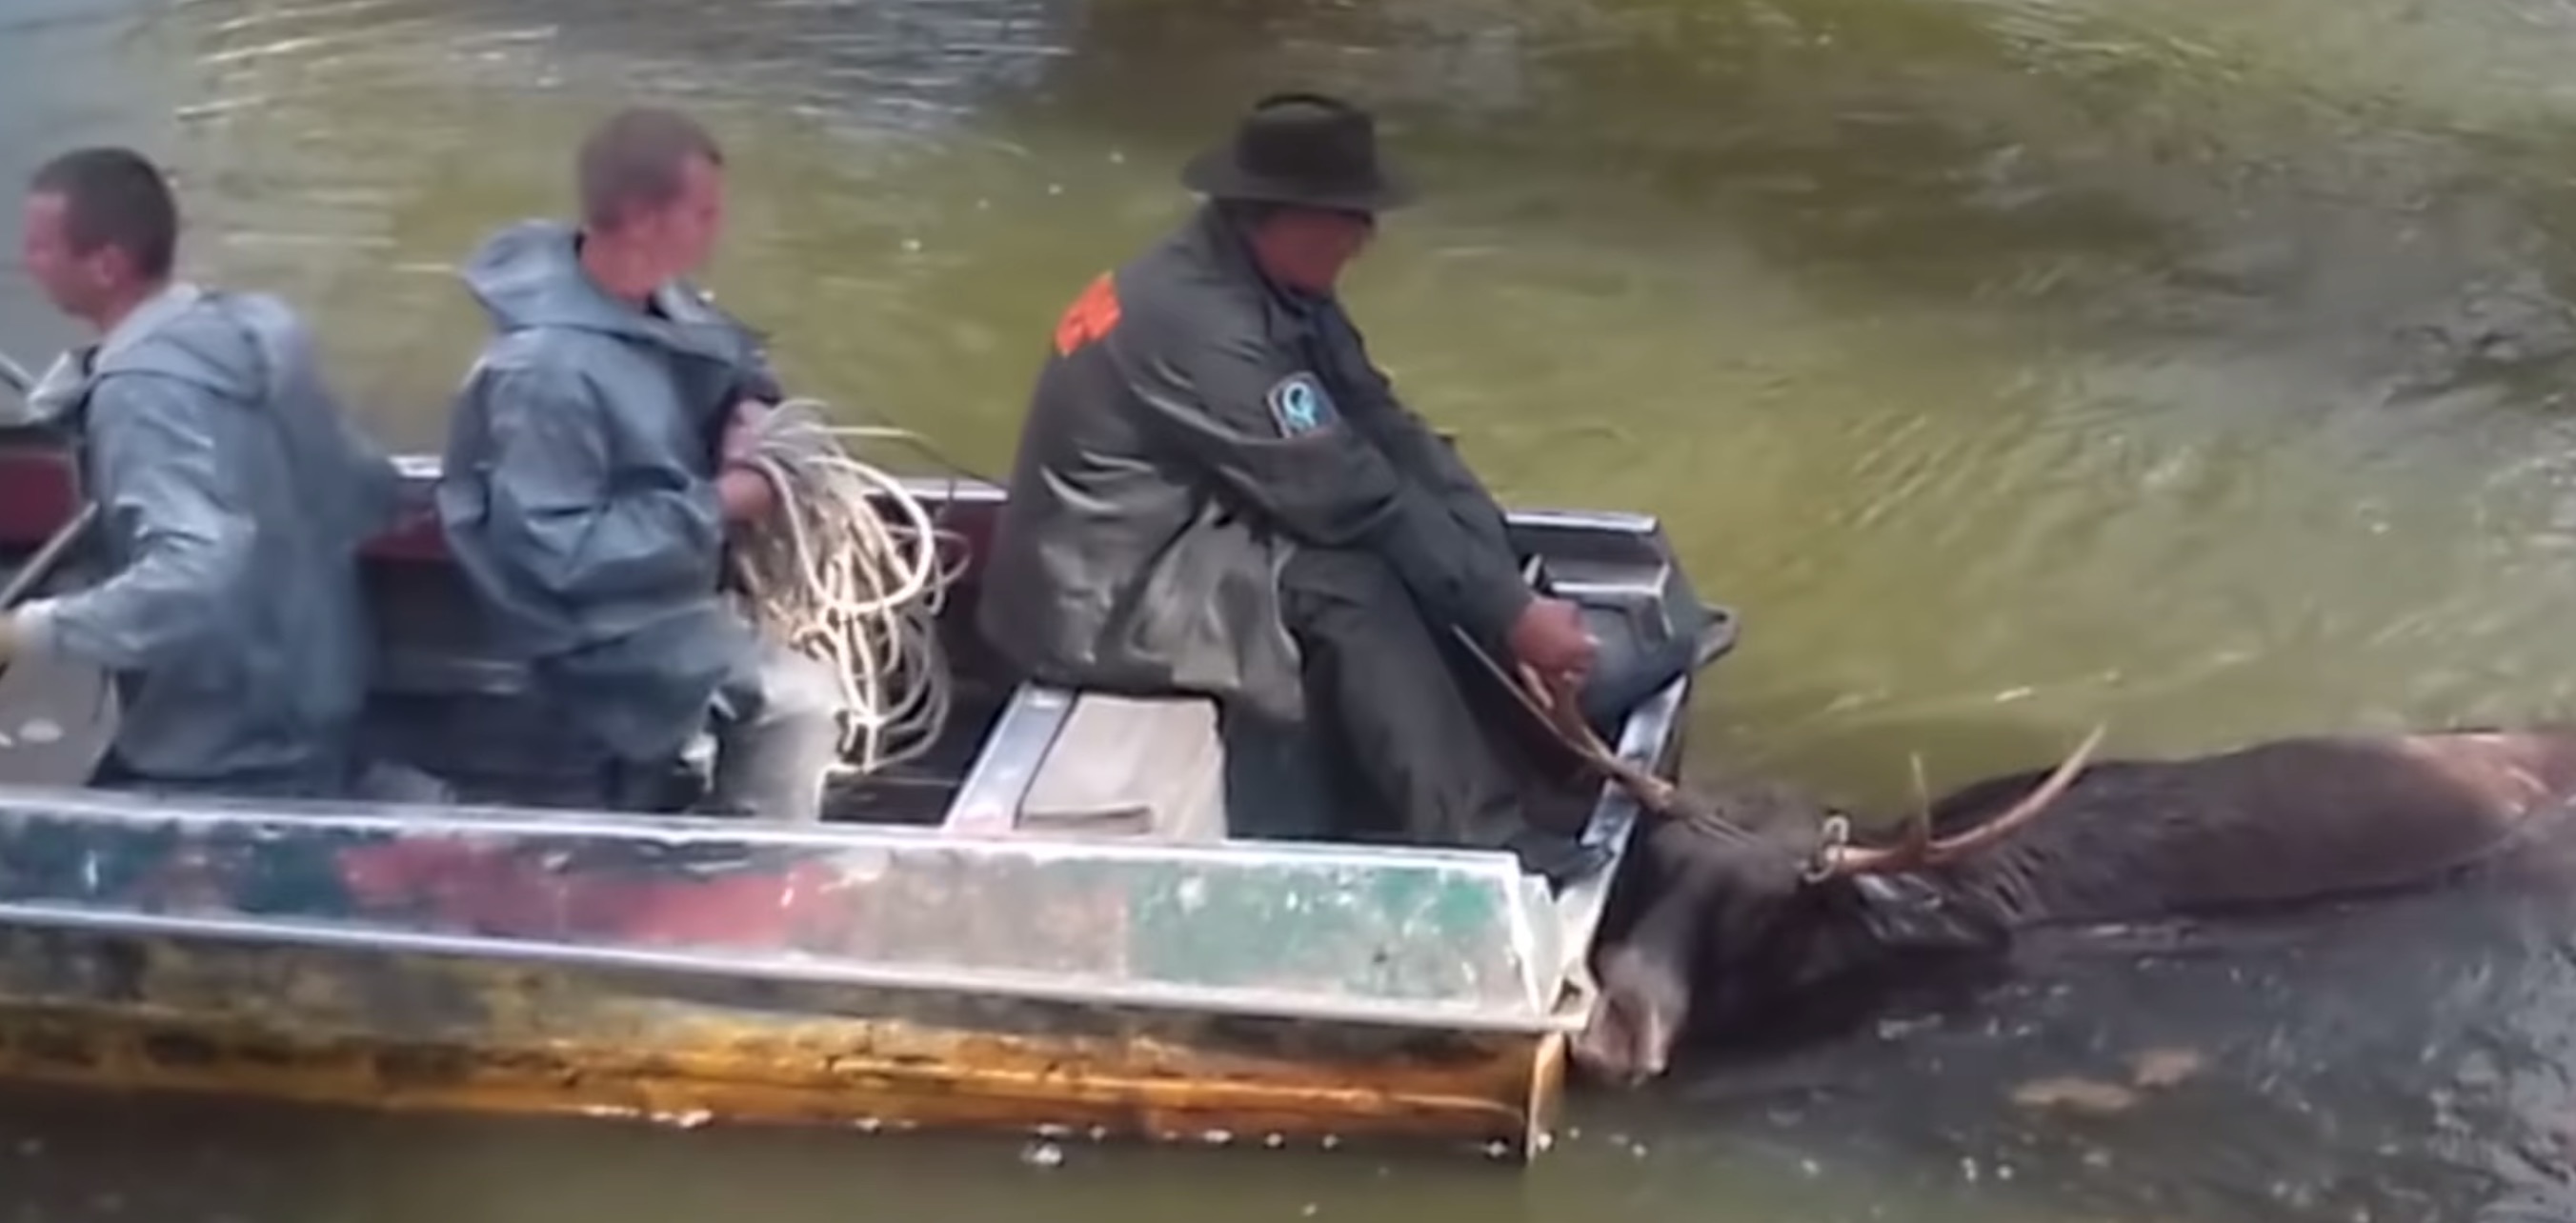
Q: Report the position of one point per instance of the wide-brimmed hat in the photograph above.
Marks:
(1305, 149)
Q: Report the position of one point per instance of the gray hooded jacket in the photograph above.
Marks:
(234, 495)
(579, 491)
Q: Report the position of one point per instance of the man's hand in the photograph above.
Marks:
(1549, 638)
(745, 493)
(742, 432)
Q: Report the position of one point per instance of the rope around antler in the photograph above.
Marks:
(831, 576)
(1558, 710)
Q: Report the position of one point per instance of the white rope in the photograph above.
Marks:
(850, 571)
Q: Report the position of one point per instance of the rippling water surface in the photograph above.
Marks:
(2009, 363)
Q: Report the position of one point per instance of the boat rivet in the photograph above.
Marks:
(1332, 1141)
(1099, 1133)
(1275, 1141)
(870, 1125)
(1497, 1148)
(1052, 1129)
(1217, 1138)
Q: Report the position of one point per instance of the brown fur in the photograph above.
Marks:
(1727, 933)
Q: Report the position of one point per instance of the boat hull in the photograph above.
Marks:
(689, 970)
(98, 1008)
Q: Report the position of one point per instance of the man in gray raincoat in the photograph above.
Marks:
(1217, 492)
(233, 496)
(591, 475)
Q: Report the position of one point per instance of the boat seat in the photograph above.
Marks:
(1068, 763)
(1131, 766)
(432, 638)
(439, 673)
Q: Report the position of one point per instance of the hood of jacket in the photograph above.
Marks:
(173, 335)
(529, 275)
(170, 335)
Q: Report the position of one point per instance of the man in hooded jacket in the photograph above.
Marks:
(233, 497)
(595, 462)
(1217, 492)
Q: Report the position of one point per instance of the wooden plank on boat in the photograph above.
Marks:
(1133, 766)
(56, 715)
(56, 718)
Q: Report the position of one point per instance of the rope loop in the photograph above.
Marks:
(851, 571)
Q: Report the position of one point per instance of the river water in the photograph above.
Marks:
(2009, 364)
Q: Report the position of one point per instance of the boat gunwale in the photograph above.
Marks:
(975, 983)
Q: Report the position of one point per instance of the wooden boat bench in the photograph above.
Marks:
(1091, 763)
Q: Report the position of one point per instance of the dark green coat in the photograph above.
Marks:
(1193, 425)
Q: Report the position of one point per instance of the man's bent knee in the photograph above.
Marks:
(795, 686)
(781, 686)
(778, 734)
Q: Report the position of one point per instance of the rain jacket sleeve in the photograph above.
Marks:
(158, 480)
(327, 447)
(1410, 443)
(375, 484)
(567, 517)
(1328, 487)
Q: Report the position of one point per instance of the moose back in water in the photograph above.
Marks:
(1762, 907)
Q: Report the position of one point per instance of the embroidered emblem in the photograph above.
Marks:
(1299, 406)
(1090, 317)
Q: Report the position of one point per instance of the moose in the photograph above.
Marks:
(1751, 907)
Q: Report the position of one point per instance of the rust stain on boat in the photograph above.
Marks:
(319, 1025)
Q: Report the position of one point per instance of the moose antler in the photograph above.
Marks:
(1918, 850)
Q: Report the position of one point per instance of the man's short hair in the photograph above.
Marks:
(636, 160)
(114, 197)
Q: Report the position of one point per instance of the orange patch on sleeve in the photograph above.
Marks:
(1092, 315)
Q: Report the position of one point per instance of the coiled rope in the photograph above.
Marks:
(851, 571)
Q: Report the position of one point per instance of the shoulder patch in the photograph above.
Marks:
(1299, 406)
(1092, 315)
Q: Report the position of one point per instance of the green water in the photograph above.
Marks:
(2009, 364)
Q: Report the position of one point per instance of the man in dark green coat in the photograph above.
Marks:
(1218, 492)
